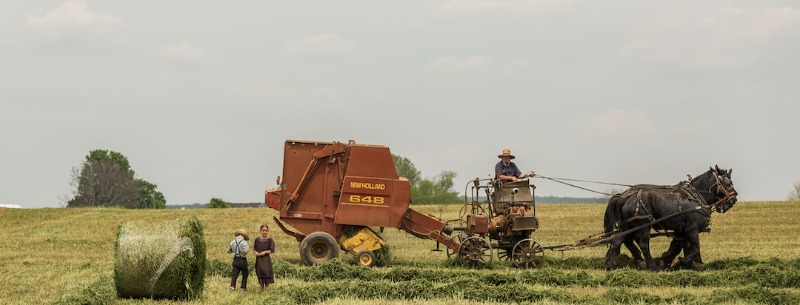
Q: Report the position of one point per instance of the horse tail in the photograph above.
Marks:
(612, 215)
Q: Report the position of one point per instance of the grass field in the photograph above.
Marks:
(752, 256)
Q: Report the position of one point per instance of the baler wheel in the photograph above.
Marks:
(366, 258)
(318, 248)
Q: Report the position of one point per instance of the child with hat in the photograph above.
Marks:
(238, 248)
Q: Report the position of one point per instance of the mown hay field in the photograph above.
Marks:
(752, 255)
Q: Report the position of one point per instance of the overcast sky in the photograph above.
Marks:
(201, 95)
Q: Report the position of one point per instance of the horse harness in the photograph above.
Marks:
(721, 189)
(683, 189)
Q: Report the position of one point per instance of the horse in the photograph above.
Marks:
(684, 209)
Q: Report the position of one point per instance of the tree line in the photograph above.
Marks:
(105, 179)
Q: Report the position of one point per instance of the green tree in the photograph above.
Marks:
(105, 178)
(406, 169)
(149, 196)
(437, 190)
(217, 203)
(795, 194)
(108, 155)
(427, 191)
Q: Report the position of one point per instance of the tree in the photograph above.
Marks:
(436, 190)
(427, 191)
(149, 197)
(217, 203)
(795, 194)
(406, 169)
(105, 178)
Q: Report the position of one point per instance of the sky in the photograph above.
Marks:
(201, 95)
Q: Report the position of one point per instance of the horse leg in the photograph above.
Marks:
(637, 255)
(698, 259)
(643, 239)
(675, 247)
(613, 251)
(692, 250)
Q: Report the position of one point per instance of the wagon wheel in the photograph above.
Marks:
(451, 252)
(527, 254)
(475, 249)
(456, 239)
(503, 254)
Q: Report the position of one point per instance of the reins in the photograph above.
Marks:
(561, 180)
(720, 189)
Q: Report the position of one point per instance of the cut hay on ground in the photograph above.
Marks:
(160, 260)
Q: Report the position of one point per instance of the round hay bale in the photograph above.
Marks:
(160, 260)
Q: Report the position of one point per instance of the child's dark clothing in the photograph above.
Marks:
(238, 247)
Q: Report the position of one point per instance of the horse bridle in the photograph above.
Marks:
(728, 193)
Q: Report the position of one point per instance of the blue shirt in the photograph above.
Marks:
(507, 170)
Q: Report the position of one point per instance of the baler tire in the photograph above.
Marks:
(366, 258)
(318, 248)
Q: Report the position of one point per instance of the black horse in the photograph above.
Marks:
(683, 209)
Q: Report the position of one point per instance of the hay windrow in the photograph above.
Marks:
(160, 260)
(98, 293)
(762, 274)
(474, 290)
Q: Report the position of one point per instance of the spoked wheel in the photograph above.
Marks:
(450, 252)
(476, 250)
(504, 254)
(527, 254)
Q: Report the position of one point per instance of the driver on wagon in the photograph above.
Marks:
(508, 171)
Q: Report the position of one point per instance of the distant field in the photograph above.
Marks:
(752, 255)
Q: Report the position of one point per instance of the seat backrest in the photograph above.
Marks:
(503, 193)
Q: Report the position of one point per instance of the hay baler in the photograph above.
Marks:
(331, 193)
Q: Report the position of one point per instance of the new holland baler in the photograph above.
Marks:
(332, 193)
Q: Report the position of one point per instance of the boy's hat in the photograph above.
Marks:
(243, 233)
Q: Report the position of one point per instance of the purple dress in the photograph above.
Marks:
(264, 263)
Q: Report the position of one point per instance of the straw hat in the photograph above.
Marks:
(506, 153)
(243, 233)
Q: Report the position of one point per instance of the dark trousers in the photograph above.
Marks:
(239, 265)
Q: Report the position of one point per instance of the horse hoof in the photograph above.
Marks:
(675, 262)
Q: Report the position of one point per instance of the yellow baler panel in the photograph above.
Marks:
(365, 239)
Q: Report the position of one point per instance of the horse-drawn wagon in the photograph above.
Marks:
(334, 193)
(499, 217)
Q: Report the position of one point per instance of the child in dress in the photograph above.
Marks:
(263, 247)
